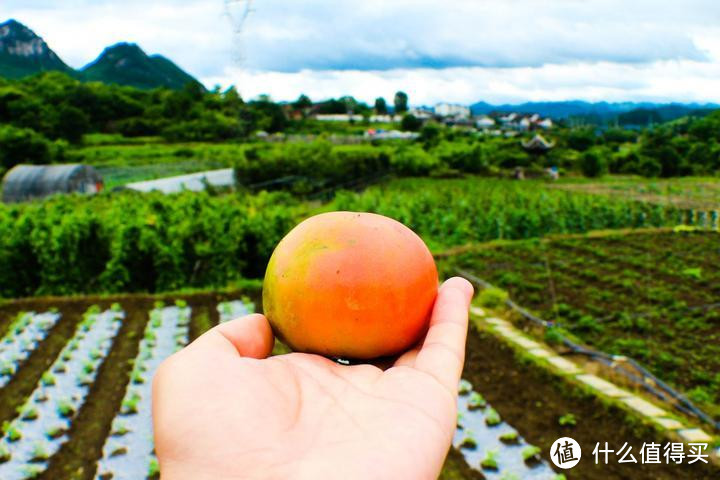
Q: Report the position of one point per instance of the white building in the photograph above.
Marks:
(485, 123)
(452, 110)
(421, 113)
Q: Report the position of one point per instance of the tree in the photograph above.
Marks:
(411, 123)
(22, 145)
(594, 163)
(302, 103)
(401, 102)
(380, 106)
(581, 139)
(72, 123)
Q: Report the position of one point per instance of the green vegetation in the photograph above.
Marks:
(477, 209)
(489, 462)
(530, 453)
(153, 242)
(567, 420)
(626, 295)
(492, 417)
(509, 437)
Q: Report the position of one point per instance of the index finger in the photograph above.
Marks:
(443, 352)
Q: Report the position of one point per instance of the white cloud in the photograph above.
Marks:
(459, 50)
(685, 81)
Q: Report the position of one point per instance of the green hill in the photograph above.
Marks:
(23, 53)
(128, 64)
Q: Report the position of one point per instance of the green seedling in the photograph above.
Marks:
(88, 367)
(12, 433)
(47, 379)
(180, 303)
(7, 369)
(32, 471)
(130, 404)
(490, 461)
(96, 354)
(531, 453)
(65, 408)
(119, 428)
(153, 469)
(476, 401)
(29, 414)
(116, 307)
(137, 378)
(55, 431)
(469, 440)
(84, 380)
(567, 420)
(492, 418)
(464, 387)
(5, 455)
(509, 438)
(39, 452)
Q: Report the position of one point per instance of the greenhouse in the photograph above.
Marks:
(26, 182)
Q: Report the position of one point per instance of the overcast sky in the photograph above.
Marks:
(455, 50)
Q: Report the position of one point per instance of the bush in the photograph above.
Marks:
(462, 156)
(308, 167)
(132, 242)
(594, 163)
(413, 161)
(411, 123)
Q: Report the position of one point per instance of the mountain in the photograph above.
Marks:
(603, 111)
(128, 64)
(24, 53)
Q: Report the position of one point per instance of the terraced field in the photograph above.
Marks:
(654, 297)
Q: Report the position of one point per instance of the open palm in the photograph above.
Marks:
(222, 409)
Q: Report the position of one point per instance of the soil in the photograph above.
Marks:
(532, 400)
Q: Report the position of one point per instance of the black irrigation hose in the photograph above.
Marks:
(681, 403)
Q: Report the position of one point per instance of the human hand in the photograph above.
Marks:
(223, 410)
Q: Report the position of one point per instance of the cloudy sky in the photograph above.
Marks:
(455, 50)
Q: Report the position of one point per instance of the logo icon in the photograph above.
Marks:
(565, 453)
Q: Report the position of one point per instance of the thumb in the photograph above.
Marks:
(249, 336)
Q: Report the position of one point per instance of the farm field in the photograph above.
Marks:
(78, 406)
(702, 193)
(649, 296)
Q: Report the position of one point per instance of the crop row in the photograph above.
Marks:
(128, 451)
(658, 306)
(23, 336)
(39, 431)
(44, 421)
